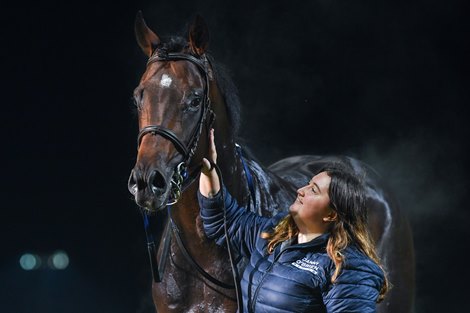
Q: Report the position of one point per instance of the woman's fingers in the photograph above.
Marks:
(212, 155)
(206, 166)
(212, 149)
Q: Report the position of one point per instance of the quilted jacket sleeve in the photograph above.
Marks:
(244, 225)
(357, 287)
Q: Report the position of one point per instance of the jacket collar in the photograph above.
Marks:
(316, 243)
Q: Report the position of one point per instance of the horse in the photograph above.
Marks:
(181, 95)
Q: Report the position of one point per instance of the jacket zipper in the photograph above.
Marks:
(253, 301)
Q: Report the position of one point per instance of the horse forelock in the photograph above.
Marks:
(173, 44)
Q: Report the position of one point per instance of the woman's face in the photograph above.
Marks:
(311, 210)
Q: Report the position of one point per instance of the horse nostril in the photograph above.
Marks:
(157, 181)
(132, 183)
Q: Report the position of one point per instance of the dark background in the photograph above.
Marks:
(383, 81)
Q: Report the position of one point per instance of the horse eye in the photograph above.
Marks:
(195, 102)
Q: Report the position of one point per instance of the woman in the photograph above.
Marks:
(318, 257)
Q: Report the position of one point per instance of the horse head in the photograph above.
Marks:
(174, 113)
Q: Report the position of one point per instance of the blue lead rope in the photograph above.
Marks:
(249, 178)
(151, 249)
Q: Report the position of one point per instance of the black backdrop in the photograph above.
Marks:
(383, 81)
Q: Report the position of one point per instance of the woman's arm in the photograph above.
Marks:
(243, 225)
(357, 287)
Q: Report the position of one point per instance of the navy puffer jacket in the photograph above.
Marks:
(295, 277)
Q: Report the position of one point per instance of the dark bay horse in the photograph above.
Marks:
(183, 93)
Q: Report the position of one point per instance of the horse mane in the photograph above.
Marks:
(229, 92)
(222, 75)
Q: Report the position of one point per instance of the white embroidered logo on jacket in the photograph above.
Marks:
(307, 265)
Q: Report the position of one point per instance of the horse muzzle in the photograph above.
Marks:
(150, 190)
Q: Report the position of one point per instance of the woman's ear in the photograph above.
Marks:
(331, 217)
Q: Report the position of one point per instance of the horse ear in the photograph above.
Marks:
(146, 38)
(198, 35)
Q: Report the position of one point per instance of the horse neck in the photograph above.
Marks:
(228, 159)
(271, 191)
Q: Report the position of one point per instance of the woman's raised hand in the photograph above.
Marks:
(212, 155)
(209, 183)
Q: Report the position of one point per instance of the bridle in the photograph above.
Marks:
(180, 181)
(186, 150)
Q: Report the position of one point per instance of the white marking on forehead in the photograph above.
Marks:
(165, 81)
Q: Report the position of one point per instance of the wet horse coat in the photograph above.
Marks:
(171, 99)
